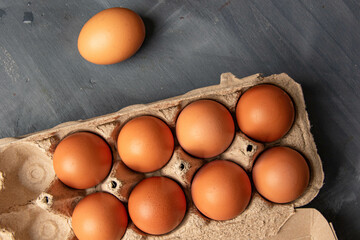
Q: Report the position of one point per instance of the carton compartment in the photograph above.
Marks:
(34, 204)
(33, 222)
(25, 172)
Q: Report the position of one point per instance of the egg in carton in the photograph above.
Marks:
(35, 204)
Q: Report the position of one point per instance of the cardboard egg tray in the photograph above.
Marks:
(34, 204)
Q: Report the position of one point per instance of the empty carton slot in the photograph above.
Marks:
(31, 222)
(27, 171)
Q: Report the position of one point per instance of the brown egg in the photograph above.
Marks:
(157, 205)
(221, 190)
(145, 144)
(111, 36)
(265, 113)
(82, 160)
(205, 128)
(280, 174)
(99, 216)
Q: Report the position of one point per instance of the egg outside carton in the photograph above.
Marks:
(34, 204)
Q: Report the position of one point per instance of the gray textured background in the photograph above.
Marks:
(44, 81)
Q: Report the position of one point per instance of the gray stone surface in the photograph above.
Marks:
(44, 81)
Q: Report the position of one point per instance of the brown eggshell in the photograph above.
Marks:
(157, 205)
(221, 190)
(265, 113)
(281, 174)
(145, 144)
(99, 216)
(111, 36)
(82, 160)
(205, 128)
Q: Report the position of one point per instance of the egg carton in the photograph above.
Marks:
(35, 204)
